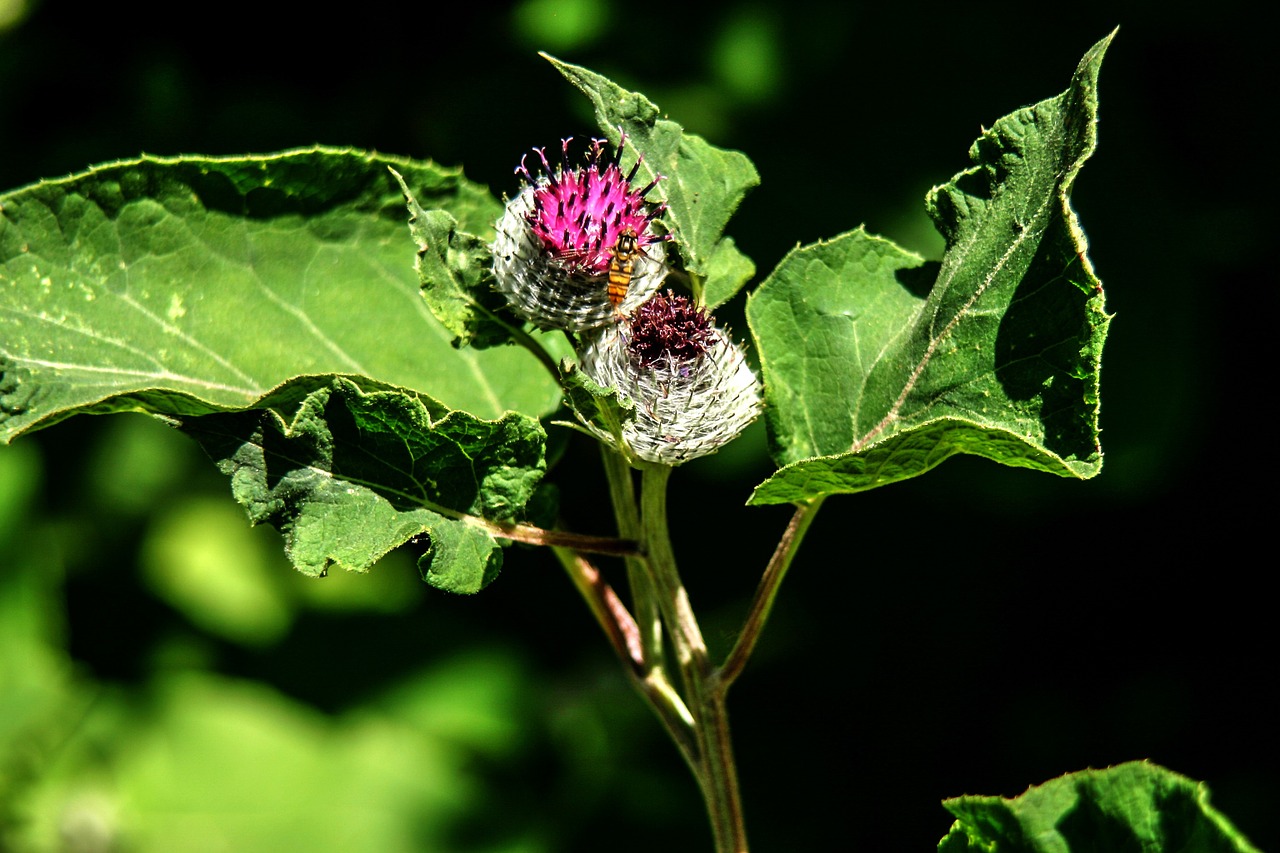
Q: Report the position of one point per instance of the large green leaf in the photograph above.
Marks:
(872, 375)
(1130, 807)
(191, 285)
(348, 469)
(704, 183)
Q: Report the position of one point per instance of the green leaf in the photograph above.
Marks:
(596, 406)
(190, 285)
(453, 269)
(873, 376)
(705, 184)
(1129, 807)
(728, 271)
(348, 469)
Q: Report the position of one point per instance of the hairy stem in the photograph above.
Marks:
(643, 596)
(705, 694)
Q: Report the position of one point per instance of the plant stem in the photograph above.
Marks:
(611, 614)
(643, 596)
(523, 338)
(705, 693)
(623, 634)
(531, 535)
(539, 351)
(699, 722)
(655, 543)
(767, 591)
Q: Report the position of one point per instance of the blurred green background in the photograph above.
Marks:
(168, 683)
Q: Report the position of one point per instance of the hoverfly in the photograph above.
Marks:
(622, 265)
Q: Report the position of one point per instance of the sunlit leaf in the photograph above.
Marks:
(704, 183)
(190, 285)
(453, 268)
(878, 367)
(728, 271)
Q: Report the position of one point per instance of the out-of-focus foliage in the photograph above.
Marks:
(186, 756)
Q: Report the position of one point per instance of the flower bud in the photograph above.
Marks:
(691, 385)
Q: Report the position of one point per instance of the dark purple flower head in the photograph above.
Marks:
(669, 328)
(691, 386)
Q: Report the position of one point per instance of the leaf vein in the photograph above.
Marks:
(169, 328)
(310, 327)
(959, 315)
(162, 375)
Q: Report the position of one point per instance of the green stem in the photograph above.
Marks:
(624, 636)
(520, 336)
(767, 591)
(696, 283)
(539, 351)
(705, 694)
(655, 543)
(643, 596)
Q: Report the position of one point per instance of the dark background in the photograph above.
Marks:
(974, 631)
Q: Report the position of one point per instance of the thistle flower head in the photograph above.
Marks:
(691, 385)
(573, 237)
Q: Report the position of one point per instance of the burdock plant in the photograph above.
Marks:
(362, 399)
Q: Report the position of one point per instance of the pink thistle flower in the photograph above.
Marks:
(691, 385)
(578, 246)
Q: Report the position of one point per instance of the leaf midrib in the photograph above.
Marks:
(935, 340)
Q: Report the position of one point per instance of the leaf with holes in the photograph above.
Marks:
(190, 285)
(873, 374)
(348, 469)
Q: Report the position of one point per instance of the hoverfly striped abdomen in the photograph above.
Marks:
(622, 265)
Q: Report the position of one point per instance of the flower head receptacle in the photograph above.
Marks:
(577, 247)
(691, 385)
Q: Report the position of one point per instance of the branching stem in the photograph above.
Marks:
(715, 769)
(695, 716)
(624, 636)
(583, 542)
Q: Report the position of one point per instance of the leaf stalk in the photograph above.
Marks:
(767, 591)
